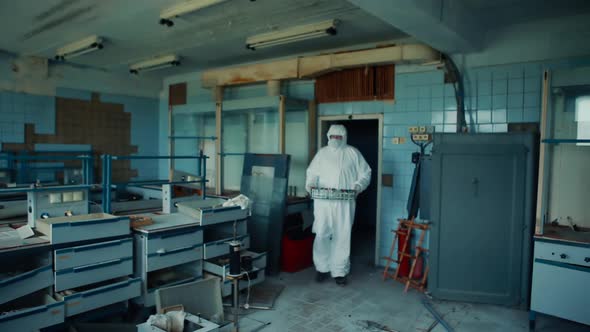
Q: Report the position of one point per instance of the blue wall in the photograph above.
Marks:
(17, 109)
(495, 96)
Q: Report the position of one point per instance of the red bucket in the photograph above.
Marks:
(297, 254)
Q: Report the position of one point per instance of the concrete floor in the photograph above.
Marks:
(305, 305)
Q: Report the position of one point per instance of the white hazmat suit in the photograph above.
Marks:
(336, 166)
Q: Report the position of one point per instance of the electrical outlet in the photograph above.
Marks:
(395, 140)
(413, 130)
(402, 140)
(422, 129)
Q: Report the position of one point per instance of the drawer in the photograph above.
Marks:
(173, 257)
(168, 277)
(219, 266)
(210, 211)
(561, 290)
(83, 227)
(92, 253)
(93, 273)
(221, 247)
(31, 313)
(570, 254)
(38, 277)
(102, 296)
(227, 285)
(167, 241)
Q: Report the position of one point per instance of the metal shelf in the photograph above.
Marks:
(564, 141)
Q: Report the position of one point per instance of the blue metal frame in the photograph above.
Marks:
(107, 173)
(49, 188)
(193, 137)
(22, 159)
(565, 140)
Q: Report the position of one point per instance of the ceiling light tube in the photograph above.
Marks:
(155, 64)
(291, 35)
(183, 8)
(80, 47)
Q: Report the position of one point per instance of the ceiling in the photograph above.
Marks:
(507, 12)
(211, 37)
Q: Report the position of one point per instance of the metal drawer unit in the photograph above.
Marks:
(217, 237)
(210, 211)
(567, 254)
(177, 275)
(31, 313)
(36, 274)
(561, 274)
(219, 266)
(93, 226)
(168, 252)
(101, 296)
(220, 247)
(93, 273)
(92, 253)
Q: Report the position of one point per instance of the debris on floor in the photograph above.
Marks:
(369, 325)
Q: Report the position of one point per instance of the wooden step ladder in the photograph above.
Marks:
(405, 228)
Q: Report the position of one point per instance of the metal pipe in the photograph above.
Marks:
(236, 305)
(154, 157)
(437, 316)
(193, 137)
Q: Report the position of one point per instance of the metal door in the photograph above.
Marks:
(478, 219)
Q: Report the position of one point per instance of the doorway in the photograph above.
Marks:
(365, 134)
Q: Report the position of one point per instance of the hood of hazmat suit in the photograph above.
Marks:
(336, 166)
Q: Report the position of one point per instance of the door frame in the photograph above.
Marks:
(379, 117)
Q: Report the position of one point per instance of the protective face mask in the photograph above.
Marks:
(335, 143)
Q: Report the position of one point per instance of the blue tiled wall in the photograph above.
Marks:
(495, 96)
(17, 109)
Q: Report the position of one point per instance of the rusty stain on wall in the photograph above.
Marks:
(104, 126)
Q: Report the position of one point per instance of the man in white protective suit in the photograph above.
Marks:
(336, 166)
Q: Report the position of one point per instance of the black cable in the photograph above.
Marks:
(452, 70)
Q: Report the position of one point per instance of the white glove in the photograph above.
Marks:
(358, 190)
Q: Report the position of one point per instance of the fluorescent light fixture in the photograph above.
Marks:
(155, 64)
(291, 35)
(183, 8)
(83, 46)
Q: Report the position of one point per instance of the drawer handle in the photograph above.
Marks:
(25, 312)
(97, 266)
(174, 251)
(106, 289)
(175, 234)
(90, 222)
(100, 245)
(563, 256)
(24, 276)
(587, 259)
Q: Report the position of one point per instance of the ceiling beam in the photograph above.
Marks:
(314, 65)
(446, 25)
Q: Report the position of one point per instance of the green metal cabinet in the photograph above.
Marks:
(481, 214)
